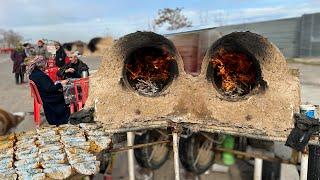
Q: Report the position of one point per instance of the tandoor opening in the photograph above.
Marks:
(233, 72)
(150, 70)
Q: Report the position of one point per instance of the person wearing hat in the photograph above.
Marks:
(74, 69)
(55, 109)
(41, 49)
(60, 55)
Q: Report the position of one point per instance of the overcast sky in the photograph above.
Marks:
(67, 20)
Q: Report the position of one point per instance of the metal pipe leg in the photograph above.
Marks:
(304, 166)
(130, 136)
(257, 169)
(176, 155)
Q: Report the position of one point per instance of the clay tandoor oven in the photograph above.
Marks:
(244, 85)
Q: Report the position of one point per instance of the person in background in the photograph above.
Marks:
(55, 109)
(27, 49)
(29, 52)
(41, 49)
(17, 56)
(74, 69)
(60, 55)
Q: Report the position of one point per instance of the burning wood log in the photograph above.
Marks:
(148, 70)
(236, 72)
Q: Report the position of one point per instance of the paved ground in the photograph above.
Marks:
(310, 82)
(13, 98)
(16, 98)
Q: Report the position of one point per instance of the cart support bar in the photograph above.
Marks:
(257, 169)
(137, 146)
(176, 155)
(253, 155)
(304, 166)
(130, 155)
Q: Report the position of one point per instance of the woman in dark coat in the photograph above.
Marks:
(55, 109)
(18, 56)
(60, 55)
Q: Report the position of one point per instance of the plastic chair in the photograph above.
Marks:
(37, 103)
(85, 89)
(81, 96)
(72, 108)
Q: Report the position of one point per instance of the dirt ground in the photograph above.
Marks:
(310, 82)
(16, 98)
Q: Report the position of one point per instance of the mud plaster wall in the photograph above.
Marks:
(194, 99)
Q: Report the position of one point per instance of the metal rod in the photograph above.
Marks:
(240, 153)
(176, 155)
(253, 155)
(257, 169)
(304, 166)
(130, 155)
(137, 146)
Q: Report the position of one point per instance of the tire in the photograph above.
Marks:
(271, 170)
(143, 155)
(241, 143)
(188, 152)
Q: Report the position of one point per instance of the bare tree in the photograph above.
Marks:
(173, 17)
(152, 25)
(11, 38)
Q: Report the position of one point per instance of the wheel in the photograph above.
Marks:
(241, 143)
(271, 170)
(195, 153)
(151, 157)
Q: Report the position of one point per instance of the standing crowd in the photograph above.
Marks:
(34, 61)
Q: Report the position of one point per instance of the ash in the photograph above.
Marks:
(239, 91)
(147, 87)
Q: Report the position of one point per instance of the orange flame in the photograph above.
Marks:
(150, 67)
(235, 68)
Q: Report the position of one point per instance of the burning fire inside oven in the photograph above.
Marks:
(149, 70)
(234, 73)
